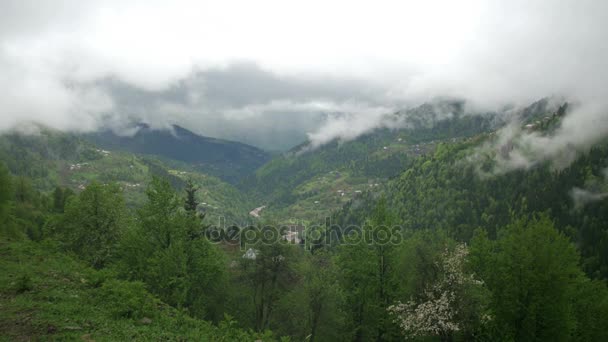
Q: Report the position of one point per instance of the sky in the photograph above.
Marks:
(274, 73)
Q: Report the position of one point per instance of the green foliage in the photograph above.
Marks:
(165, 251)
(269, 276)
(368, 275)
(452, 303)
(532, 271)
(376, 157)
(6, 196)
(445, 191)
(69, 301)
(155, 273)
(130, 298)
(190, 204)
(92, 224)
(227, 160)
(295, 178)
(324, 297)
(51, 159)
(23, 284)
(60, 198)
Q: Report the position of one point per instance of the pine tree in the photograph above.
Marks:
(191, 204)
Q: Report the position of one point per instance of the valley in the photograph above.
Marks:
(318, 171)
(431, 189)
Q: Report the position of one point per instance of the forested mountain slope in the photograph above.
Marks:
(227, 160)
(308, 183)
(449, 248)
(49, 159)
(449, 190)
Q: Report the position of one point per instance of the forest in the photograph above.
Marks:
(311, 171)
(441, 253)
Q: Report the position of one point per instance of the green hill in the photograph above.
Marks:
(308, 185)
(47, 295)
(52, 158)
(438, 246)
(227, 160)
(443, 191)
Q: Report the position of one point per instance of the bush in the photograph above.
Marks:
(23, 284)
(128, 299)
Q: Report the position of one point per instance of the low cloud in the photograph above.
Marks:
(312, 72)
(582, 197)
(517, 147)
(354, 120)
(348, 123)
(594, 190)
(246, 103)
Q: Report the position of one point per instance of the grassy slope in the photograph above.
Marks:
(228, 160)
(54, 158)
(134, 173)
(369, 161)
(46, 295)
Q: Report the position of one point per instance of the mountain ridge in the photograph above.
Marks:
(228, 160)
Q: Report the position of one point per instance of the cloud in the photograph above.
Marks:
(517, 147)
(582, 197)
(31, 95)
(594, 190)
(349, 123)
(244, 102)
(316, 69)
(355, 119)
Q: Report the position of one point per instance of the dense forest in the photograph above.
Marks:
(446, 248)
(311, 171)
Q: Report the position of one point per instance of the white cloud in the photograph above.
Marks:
(406, 52)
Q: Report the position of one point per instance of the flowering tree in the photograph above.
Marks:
(441, 310)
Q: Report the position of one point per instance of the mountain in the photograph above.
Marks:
(52, 158)
(453, 189)
(424, 220)
(225, 159)
(307, 184)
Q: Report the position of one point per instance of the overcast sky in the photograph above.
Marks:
(271, 72)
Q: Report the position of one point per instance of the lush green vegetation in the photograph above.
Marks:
(46, 294)
(228, 160)
(305, 185)
(443, 248)
(443, 192)
(49, 159)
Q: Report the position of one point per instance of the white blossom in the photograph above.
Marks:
(437, 313)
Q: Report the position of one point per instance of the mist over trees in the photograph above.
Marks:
(520, 281)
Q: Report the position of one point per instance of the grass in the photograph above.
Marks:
(130, 171)
(48, 295)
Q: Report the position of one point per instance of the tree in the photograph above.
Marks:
(532, 271)
(268, 271)
(366, 260)
(190, 203)
(58, 202)
(444, 306)
(60, 198)
(6, 196)
(29, 209)
(92, 223)
(24, 191)
(185, 271)
(323, 297)
(160, 216)
(196, 227)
